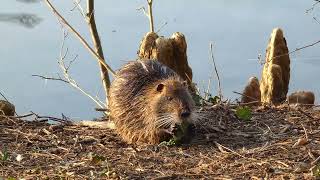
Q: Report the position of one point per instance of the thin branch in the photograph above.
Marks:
(67, 78)
(50, 78)
(252, 98)
(82, 40)
(313, 6)
(216, 71)
(221, 148)
(78, 6)
(149, 14)
(4, 97)
(63, 120)
(206, 94)
(162, 26)
(294, 51)
(303, 47)
(143, 9)
(71, 81)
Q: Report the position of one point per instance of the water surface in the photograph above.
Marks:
(239, 31)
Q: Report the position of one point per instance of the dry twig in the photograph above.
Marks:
(149, 15)
(216, 71)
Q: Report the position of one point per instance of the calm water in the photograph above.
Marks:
(239, 30)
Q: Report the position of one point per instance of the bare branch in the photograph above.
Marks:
(4, 97)
(216, 71)
(78, 6)
(162, 26)
(63, 120)
(149, 14)
(50, 78)
(291, 52)
(68, 78)
(143, 9)
(82, 40)
(313, 6)
(252, 98)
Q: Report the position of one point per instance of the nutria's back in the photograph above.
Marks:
(147, 101)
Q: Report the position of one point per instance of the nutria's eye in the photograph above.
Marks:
(160, 87)
(169, 98)
(185, 83)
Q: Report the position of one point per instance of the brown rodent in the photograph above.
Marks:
(148, 101)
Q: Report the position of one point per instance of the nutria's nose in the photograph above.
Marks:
(185, 114)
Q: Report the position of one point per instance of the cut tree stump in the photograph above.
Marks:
(276, 71)
(171, 52)
(251, 92)
(6, 108)
(301, 97)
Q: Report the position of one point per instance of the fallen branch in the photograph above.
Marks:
(63, 120)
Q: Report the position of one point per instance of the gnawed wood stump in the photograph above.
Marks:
(6, 108)
(171, 52)
(276, 71)
(251, 92)
(301, 97)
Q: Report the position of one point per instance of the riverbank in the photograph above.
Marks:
(281, 142)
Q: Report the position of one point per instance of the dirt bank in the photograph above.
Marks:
(276, 143)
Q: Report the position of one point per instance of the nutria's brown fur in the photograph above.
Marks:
(147, 99)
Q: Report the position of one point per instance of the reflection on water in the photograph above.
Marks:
(24, 19)
(29, 1)
(27, 20)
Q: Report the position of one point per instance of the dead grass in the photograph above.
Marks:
(278, 143)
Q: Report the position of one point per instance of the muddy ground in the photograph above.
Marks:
(277, 143)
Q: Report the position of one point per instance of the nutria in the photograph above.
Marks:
(148, 101)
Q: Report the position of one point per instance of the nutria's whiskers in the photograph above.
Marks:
(164, 121)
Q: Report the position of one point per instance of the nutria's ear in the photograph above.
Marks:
(160, 87)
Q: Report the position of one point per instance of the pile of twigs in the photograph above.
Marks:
(276, 143)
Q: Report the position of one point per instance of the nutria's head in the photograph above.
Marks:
(171, 104)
